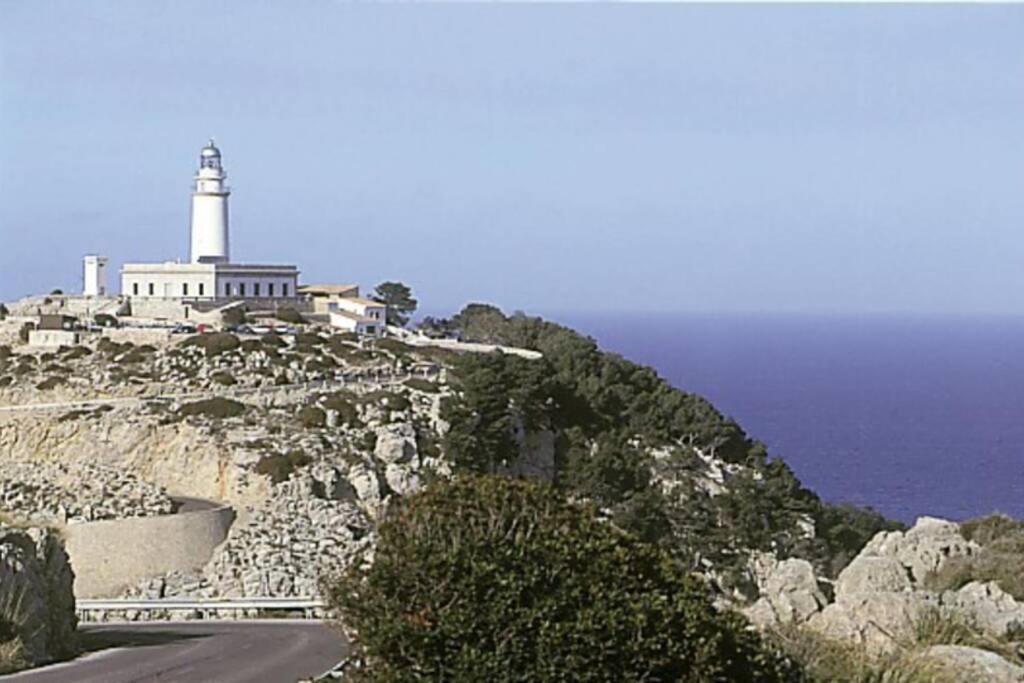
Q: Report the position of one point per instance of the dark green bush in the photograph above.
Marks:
(289, 315)
(6, 381)
(309, 339)
(424, 385)
(51, 383)
(110, 348)
(105, 320)
(280, 467)
(234, 316)
(5, 351)
(312, 417)
(76, 352)
(23, 332)
(4, 312)
(217, 407)
(272, 339)
(344, 403)
(224, 378)
(489, 579)
(213, 343)
(250, 345)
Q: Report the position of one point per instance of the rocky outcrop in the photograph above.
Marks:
(882, 598)
(789, 591)
(37, 605)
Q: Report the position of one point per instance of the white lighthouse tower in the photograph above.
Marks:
(210, 209)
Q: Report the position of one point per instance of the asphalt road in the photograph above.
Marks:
(276, 651)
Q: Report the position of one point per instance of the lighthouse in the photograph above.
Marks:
(210, 209)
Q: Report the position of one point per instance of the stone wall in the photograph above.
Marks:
(109, 556)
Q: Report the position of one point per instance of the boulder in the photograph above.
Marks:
(789, 591)
(396, 443)
(872, 574)
(971, 665)
(37, 603)
(923, 549)
(878, 622)
(986, 604)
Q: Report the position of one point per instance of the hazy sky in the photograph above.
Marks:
(543, 157)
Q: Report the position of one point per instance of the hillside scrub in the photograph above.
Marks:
(219, 408)
(1001, 558)
(289, 315)
(280, 467)
(607, 414)
(213, 343)
(491, 579)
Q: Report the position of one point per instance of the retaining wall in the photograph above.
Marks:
(111, 555)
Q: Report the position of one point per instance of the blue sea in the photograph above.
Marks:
(909, 415)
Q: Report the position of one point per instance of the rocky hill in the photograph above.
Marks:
(310, 437)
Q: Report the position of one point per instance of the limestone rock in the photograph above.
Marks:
(789, 591)
(396, 443)
(987, 605)
(878, 622)
(924, 548)
(971, 665)
(872, 574)
(36, 595)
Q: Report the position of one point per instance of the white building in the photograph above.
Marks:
(362, 316)
(94, 280)
(210, 275)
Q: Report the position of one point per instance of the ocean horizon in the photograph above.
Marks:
(910, 415)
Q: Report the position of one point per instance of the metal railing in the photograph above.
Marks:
(238, 607)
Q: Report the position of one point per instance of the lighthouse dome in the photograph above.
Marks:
(210, 150)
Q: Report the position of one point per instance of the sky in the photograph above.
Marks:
(563, 157)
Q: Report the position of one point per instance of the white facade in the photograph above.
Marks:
(208, 281)
(94, 275)
(372, 310)
(352, 322)
(210, 209)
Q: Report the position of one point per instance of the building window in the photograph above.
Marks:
(256, 289)
(227, 289)
(152, 289)
(270, 289)
(284, 289)
(184, 289)
(241, 289)
(371, 329)
(201, 292)
(135, 288)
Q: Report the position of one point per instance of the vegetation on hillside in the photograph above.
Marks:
(608, 415)
(490, 579)
(1001, 558)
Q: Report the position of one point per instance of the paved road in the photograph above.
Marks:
(197, 652)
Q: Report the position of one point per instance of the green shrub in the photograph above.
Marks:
(139, 354)
(76, 352)
(233, 316)
(368, 442)
(489, 579)
(23, 332)
(224, 378)
(343, 402)
(6, 381)
(309, 339)
(4, 312)
(51, 383)
(251, 345)
(312, 417)
(289, 315)
(272, 339)
(5, 351)
(217, 407)
(280, 467)
(110, 348)
(213, 343)
(424, 385)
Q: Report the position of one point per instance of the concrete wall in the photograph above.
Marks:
(110, 555)
(46, 339)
